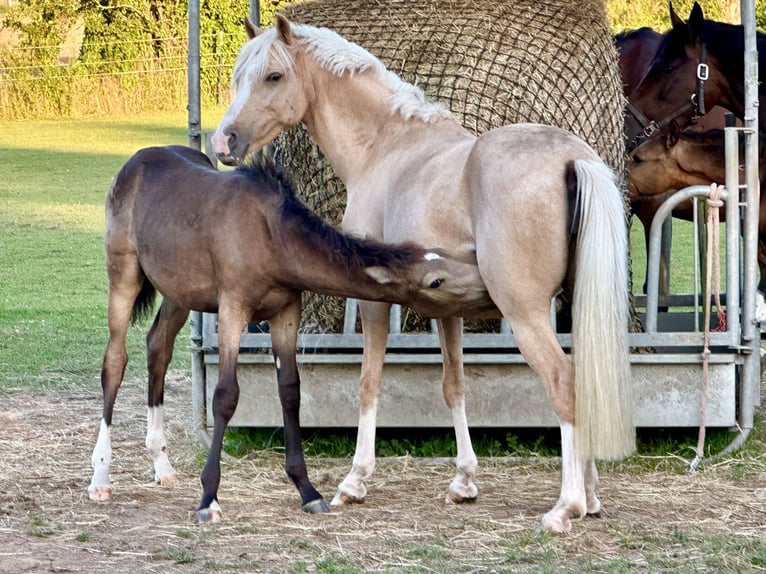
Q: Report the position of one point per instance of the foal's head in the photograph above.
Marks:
(675, 160)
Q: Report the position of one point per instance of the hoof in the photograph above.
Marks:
(318, 506)
(211, 514)
(169, 480)
(460, 492)
(342, 498)
(555, 523)
(100, 493)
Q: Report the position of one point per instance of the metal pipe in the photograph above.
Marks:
(750, 387)
(655, 237)
(731, 154)
(193, 77)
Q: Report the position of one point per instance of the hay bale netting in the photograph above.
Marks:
(492, 63)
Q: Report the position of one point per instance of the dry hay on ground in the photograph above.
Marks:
(47, 523)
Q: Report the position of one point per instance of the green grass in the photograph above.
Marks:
(55, 175)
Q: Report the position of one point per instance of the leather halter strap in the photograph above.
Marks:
(696, 102)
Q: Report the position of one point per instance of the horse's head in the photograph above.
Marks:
(683, 80)
(269, 96)
(441, 285)
(675, 160)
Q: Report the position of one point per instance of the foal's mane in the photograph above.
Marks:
(338, 56)
(300, 221)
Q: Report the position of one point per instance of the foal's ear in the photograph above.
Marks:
(673, 134)
(696, 18)
(380, 275)
(251, 29)
(284, 32)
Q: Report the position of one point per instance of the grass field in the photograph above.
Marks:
(55, 175)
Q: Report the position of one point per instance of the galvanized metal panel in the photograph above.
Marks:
(509, 395)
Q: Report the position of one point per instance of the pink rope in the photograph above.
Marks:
(712, 282)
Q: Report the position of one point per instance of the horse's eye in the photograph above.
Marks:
(667, 70)
(436, 283)
(636, 159)
(274, 77)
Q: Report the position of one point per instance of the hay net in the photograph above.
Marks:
(492, 63)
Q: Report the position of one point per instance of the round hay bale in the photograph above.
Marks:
(492, 63)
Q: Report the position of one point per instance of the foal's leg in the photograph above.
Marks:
(124, 286)
(462, 488)
(231, 322)
(375, 331)
(159, 350)
(284, 339)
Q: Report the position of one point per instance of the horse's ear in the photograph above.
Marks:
(673, 133)
(696, 18)
(675, 20)
(284, 32)
(251, 29)
(380, 275)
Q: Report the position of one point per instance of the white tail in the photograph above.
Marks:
(601, 312)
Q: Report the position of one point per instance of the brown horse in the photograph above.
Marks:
(238, 243)
(637, 50)
(667, 163)
(535, 204)
(697, 65)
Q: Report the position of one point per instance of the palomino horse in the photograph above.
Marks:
(534, 204)
(240, 244)
(664, 164)
(697, 65)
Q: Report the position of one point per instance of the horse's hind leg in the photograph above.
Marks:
(159, 350)
(124, 285)
(375, 330)
(462, 488)
(284, 339)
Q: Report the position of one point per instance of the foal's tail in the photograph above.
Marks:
(144, 303)
(601, 312)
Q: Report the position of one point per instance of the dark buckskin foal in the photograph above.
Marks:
(239, 243)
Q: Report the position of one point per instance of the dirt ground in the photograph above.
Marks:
(660, 520)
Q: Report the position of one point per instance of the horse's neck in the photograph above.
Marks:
(346, 118)
(352, 121)
(726, 44)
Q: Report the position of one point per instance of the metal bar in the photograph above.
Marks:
(349, 318)
(731, 155)
(193, 77)
(750, 388)
(655, 237)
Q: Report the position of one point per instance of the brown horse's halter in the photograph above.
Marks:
(696, 102)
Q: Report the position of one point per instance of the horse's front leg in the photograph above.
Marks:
(462, 488)
(284, 338)
(159, 351)
(225, 399)
(375, 330)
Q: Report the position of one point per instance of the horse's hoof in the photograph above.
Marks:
(318, 506)
(211, 514)
(555, 522)
(342, 498)
(100, 493)
(455, 498)
(169, 480)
